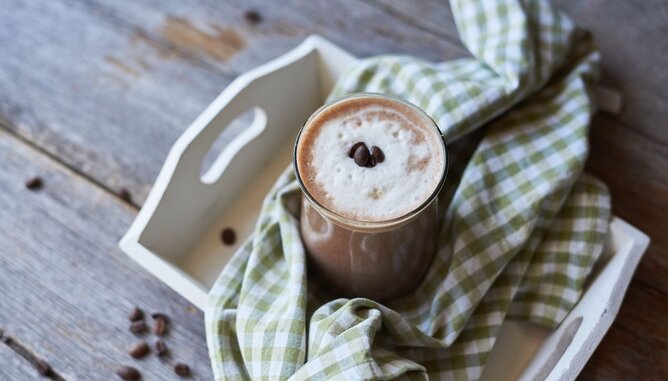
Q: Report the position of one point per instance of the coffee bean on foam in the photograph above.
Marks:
(371, 162)
(351, 153)
(361, 155)
(377, 154)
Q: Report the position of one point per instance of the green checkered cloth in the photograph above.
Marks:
(519, 236)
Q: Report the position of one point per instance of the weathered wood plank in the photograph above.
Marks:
(102, 99)
(107, 87)
(630, 35)
(636, 345)
(13, 366)
(66, 288)
(217, 32)
(634, 168)
(431, 15)
(634, 50)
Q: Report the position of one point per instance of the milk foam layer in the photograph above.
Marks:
(412, 170)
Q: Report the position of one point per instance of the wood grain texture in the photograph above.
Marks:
(66, 289)
(636, 346)
(107, 87)
(433, 16)
(13, 366)
(102, 99)
(635, 169)
(40, 365)
(216, 32)
(634, 49)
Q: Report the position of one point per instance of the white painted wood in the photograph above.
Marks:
(176, 234)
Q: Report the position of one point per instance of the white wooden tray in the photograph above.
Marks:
(176, 235)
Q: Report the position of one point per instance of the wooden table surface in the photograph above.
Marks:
(94, 93)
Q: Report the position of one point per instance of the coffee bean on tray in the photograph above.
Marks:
(136, 314)
(361, 156)
(139, 350)
(377, 154)
(34, 183)
(161, 348)
(228, 236)
(128, 373)
(43, 367)
(351, 153)
(138, 327)
(182, 369)
(160, 326)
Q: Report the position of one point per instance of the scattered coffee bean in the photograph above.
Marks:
(34, 183)
(160, 326)
(252, 16)
(351, 153)
(160, 315)
(182, 369)
(377, 154)
(43, 367)
(228, 236)
(128, 373)
(136, 314)
(124, 194)
(161, 348)
(139, 350)
(361, 155)
(138, 327)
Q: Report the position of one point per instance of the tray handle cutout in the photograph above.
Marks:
(241, 130)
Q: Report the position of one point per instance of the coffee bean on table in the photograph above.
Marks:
(377, 154)
(128, 373)
(124, 194)
(138, 327)
(228, 236)
(43, 367)
(139, 350)
(161, 348)
(361, 156)
(351, 153)
(136, 314)
(182, 369)
(160, 326)
(252, 16)
(34, 183)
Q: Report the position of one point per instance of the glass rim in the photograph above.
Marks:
(369, 225)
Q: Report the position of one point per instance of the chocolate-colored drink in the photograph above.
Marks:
(370, 167)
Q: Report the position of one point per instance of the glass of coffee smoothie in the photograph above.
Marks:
(370, 167)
